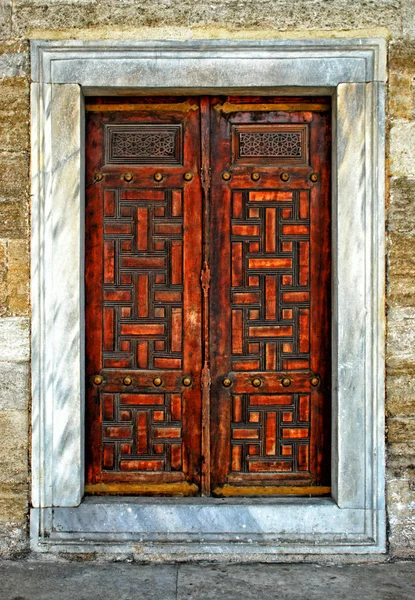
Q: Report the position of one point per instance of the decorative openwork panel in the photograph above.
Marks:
(277, 144)
(141, 432)
(271, 433)
(270, 144)
(270, 294)
(143, 144)
(143, 279)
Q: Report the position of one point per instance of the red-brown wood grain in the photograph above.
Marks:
(193, 275)
(270, 303)
(143, 299)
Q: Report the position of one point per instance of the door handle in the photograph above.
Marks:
(226, 382)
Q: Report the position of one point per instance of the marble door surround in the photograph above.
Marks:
(352, 521)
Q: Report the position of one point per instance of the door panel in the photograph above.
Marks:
(143, 316)
(208, 259)
(270, 312)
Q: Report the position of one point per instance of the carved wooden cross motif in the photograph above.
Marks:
(208, 296)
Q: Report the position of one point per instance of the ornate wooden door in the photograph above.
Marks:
(143, 296)
(208, 296)
(270, 284)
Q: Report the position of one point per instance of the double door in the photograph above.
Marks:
(207, 283)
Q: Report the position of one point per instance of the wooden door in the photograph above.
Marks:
(208, 296)
(143, 298)
(270, 309)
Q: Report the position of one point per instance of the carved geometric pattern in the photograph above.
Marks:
(270, 144)
(143, 279)
(273, 143)
(270, 294)
(141, 432)
(271, 433)
(143, 144)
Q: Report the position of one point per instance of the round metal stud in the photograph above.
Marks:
(314, 177)
(157, 381)
(188, 176)
(255, 176)
(98, 380)
(314, 381)
(127, 381)
(226, 382)
(226, 175)
(256, 382)
(286, 382)
(187, 381)
(284, 176)
(128, 177)
(99, 176)
(158, 176)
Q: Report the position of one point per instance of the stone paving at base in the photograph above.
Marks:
(33, 580)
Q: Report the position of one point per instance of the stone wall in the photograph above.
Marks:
(400, 379)
(22, 20)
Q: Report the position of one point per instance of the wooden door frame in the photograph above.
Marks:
(352, 71)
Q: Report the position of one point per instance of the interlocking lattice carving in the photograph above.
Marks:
(143, 286)
(270, 326)
(270, 144)
(141, 432)
(270, 239)
(271, 433)
(143, 144)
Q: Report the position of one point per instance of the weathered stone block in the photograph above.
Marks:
(14, 339)
(402, 451)
(29, 15)
(13, 429)
(14, 114)
(401, 79)
(13, 465)
(13, 447)
(13, 218)
(401, 93)
(14, 58)
(408, 18)
(400, 461)
(13, 504)
(3, 277)
(401, 216)
(400, 395)
(14, 385)
(14, 175)
(401, 511)
(401, 340)
(401, 280)
(401, 55)
(402, 149)
(5, 18)
(401, 429)
(18, 277)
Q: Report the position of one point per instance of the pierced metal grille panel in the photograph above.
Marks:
(270, 144)
(143, 144)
